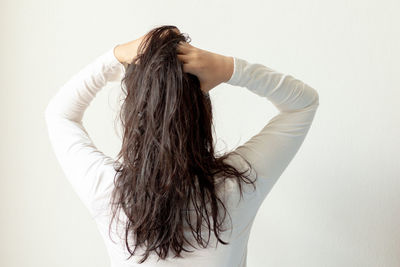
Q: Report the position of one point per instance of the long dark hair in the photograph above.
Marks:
(168, 159)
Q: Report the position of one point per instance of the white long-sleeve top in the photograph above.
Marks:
(91, 172)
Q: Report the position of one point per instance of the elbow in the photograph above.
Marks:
(46, 112)
(313, 96)
(47, 115)
(316, 98)
(49, 111)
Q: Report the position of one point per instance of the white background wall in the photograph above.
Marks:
(338, 202)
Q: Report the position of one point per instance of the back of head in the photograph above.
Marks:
(168, 163)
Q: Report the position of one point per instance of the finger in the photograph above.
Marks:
(182, 48)
(183, 58)
(187, 68)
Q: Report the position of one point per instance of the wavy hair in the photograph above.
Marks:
(168, 162)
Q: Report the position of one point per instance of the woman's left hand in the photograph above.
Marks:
(125, 53)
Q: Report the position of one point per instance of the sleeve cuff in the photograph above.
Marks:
(235, 78)
(116, 68)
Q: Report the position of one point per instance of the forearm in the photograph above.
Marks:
(72, 99)
(286, 92)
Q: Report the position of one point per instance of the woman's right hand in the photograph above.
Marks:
(210, 68)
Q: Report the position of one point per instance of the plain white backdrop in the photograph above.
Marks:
(338, 202)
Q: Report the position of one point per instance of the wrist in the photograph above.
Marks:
(228, 68)
(118, 54)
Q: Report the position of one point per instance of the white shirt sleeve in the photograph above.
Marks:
(271, 150)
(83, 164)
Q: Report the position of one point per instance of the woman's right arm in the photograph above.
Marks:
(271, 150)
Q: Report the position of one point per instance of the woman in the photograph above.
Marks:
(176, 194)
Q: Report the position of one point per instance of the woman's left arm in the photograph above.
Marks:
(86, 168)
